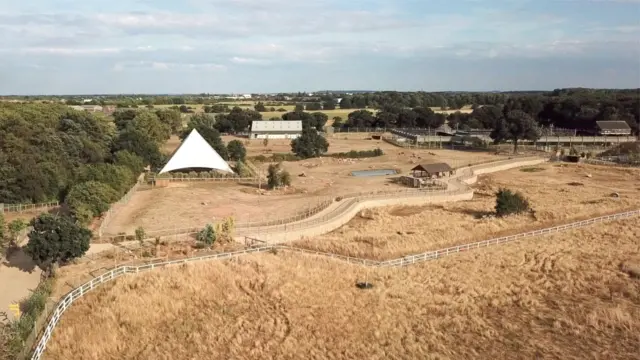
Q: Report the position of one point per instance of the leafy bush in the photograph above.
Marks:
(353, 154)
(243, 170)
(277, 177)
(508, 202)
(140, 234)
(91, 195)
(207, 235)
(284, 157)
(236, 150)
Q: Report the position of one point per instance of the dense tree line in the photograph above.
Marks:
(87, 161)
(570, 108)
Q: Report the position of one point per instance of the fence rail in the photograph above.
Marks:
(21, 208)
(302, 219)
(212, 179)
(107, 217)
(115, 273)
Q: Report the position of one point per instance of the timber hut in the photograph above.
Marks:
(432, 170)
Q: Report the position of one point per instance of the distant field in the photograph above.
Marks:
(343, 113)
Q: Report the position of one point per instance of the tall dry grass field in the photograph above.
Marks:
(556, 297)
(558, 195)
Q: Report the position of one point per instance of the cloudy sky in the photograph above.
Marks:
(215, 46)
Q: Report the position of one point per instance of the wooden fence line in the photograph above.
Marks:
(80, 291)
(20, 208)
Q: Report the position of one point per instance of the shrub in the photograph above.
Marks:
(353, 154)
(573, 151)
(243, 170)
(277, 177)
(207, 235)
(15, 227)
(236, 150)
(508, 202)
(91, 195)
(140, 234)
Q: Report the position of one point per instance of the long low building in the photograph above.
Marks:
(276, 129)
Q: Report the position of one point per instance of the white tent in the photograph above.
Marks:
(195, 152)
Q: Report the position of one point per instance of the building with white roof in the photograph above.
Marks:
(275, 129)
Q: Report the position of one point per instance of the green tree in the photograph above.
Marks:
(236, 150)
(119, 177)
(345, 103)
(318, 120)
(309, 144)
(337, 122)
(517, 125)
(509, 202)
(299, 107)
(329, 105)
(56, 240)
(208, 235)
(129, 160)
(141, 144)
(314, 106)
(260, 107)
(170, 118)
(91, 195)
(149, 123)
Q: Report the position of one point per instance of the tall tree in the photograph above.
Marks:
(517, 125)
(309, 144)
(56, 239)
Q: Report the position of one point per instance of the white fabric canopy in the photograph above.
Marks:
(195, 152)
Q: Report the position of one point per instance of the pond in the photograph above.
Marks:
(378, 172)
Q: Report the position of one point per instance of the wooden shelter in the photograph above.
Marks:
(432, 170)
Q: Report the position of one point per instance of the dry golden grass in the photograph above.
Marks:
(555, 297)
(397, 231)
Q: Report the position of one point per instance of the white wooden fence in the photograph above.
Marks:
(20, 208)
(80, 291)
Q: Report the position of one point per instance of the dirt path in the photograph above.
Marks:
(18, 278)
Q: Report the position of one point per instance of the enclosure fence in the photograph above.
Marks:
(22, 208)
(119, 271)
(113, 210)
(304, 219)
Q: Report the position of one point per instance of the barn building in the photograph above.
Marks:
(273, 129)
(613, 128)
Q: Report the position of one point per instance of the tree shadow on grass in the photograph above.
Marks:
(15, 257)
(478, 214)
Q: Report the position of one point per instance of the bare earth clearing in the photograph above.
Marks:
(557, 193)
(186, 205)
(554, 297)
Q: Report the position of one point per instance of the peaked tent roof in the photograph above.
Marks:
(195, 152)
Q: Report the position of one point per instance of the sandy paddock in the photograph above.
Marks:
(559, 193)
(189, 205)
(554, 297)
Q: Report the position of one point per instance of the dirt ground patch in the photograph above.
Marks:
(314, 180)
(397, 231)
(554, 297)
(18, 277)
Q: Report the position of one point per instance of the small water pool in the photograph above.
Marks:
(378, 172)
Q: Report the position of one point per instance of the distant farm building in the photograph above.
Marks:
(613, 128)
(273, 129)
(432, 170)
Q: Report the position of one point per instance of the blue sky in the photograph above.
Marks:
(240, 46)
